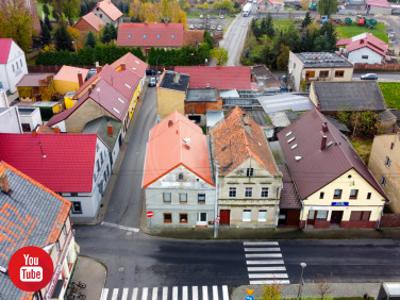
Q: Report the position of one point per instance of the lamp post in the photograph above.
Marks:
(216, 215)
(303, 265)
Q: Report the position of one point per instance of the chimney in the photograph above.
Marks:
(325, 127)
(4, 184)
(98, 69)
(80, 79)
(170, 123)
(123, 67)
(110, 129)
(323, 142)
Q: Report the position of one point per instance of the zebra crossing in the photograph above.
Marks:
(265, 263)
(167, 293)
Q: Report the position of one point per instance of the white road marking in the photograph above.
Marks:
(145, 292)
(267, 275)
(260, 243)
(185, 293)
(165, 293)
(271, 255)
(265, 269)
(205, 292)
(122, 227)
(175, 293)
(115, 294)
(215, 292)
(125, 294)
(104, 294)
(225, 292)
(265, 262)
(134, 294)
(195, 293)
(277, 249)
(155, 293)
(254, 282)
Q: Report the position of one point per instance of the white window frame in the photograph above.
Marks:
(246, 215)
(199, 221)
(262, 215)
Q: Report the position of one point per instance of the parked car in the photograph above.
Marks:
(219, 28)
(213, 27)
(221, 16)
(369, 76)
(152, 81)
(191, 26)
(151, 72)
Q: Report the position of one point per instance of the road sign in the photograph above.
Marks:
(249, 298)
(149, 214)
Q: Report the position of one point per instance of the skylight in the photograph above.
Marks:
(293, 146)
(291, 139)
(116, 110)
(121, 100)
(289, 133)
(297, 158)
(127, 85)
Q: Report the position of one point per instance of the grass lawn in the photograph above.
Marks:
(362, 147)
(282, 24)
(391, 93)
(344, 31)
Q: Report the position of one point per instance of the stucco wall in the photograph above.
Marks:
(62, 86)
(9, 121)
(373, 57)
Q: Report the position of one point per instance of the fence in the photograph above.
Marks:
(390, 220)
(49, 69)
(377, 67)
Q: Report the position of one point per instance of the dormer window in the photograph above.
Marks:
(180, 177)
(144, 36)
(129, 35)
(291, 139)
(250, 172)
(158, 36)
(289, 133)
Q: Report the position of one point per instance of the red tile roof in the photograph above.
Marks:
(166, 149)
(132, 63)
(316, 168)
(364, 40)
(5, 46)
(223, 78)
(378, 3)
(61, 162)
(93, 21)
(69, 73)
(150, 35)
(109, 9)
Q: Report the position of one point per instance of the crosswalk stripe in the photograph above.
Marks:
(165, 293)
(267, 275)
(215, 292)
(125, 294)
(175, 293)
(145, 292)
(114, 294)
(104, 294)
(205, 292)
(254, 282)
(272, 255)
(134, 294)
(185, 293)
(275, 249)
(260, 243)
(225, 292)
(155, 293)
(265, 269)
(195, 293)
(265, 262)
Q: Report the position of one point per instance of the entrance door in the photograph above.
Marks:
(225, 217)
(336, 216)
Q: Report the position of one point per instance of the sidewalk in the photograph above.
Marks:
(314, 290)
(91, 272)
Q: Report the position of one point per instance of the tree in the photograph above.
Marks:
(48, 23)
(109, 33)
(364, 123)
(134, 10)
(327, 7)
(63, 39)
(283, 58)
(328, 31)
(46, 10)
(71, 9)
(271, 292)
(269, 26)
(220, 55)
(306, 21)
(90, 40)
(16, 23)
(226, 5)
(324, 288)
(45, 35)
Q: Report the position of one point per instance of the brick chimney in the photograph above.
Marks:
(323, 142)
(110, 129)
(325, 127)
(4, 184)
(80, 79)
(98, 69)
(123, 67)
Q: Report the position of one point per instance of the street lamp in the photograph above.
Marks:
(303, 265)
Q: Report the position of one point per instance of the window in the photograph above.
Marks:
(98, 165)
(337, 194)
(246, 215)
(264, 192)
(388, 162)
(311, 214)
(201, 198)
(144, 36)
(180, 177)
(369, 196)
(364, 56)
(232, 192)
(248, 192)
(323, 74)
(183, 218)
(26, 127)
(262, 215)
(100, 187)
(182, 197)
(250, 172)
(101, 16)
(321, 195)
(129, 35)
(202, 217)
(383, 180)
(74, 194)
(353, 194)
(391, 146)
(76, 207)
(20, 61)
(167, 197)
(360, 215)
(167, 218)
(322, 214)
(13, 67)
(310, 74)
(101, 158)
(339, 73)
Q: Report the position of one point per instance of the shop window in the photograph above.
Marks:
(183, 218)
(246, 215)
(353, 194)
(322, 214)
(167, 218)
(310, 74)
(337, 194)
(360, 215)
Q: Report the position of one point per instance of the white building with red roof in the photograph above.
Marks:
(364, 48)
(108, 12)
(12, 64)
(178, 175)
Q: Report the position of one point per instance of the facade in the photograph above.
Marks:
(334, 186)
(36, 87)
(69, 79)
(179, 185)
(33, 215)
(249, 181)
(10, 121)
(12, 64)
(107, 12)
(306, 67)
(199, 101)
(76, 166)
(30, 118)
(89, 23)
(171, 93)
(384, 163)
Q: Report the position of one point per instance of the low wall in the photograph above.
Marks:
(390, 220)
(377, 67)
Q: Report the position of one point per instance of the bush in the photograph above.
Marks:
(185, 56)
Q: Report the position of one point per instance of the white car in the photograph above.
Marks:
(221, 16)
(201, 16)
(191, 26)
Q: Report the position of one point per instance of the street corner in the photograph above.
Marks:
(88, 278)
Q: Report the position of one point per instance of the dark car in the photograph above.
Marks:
(151, 72)
(369, 76)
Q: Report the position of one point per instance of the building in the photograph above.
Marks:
(378, 7)
(108, 12)
(69, 79)
(33, 215)
(178, 183)
(334, 186)
(249, 181)
(364, 48)
(171, 93)
(76, 166)
(89, 23)
(384, 163)
(10, 121)
(349, 96)
(266, 81)
(30, 118)
(12, 64)
(221, 78)
(36, 87)
(133, 64)
(306, 67)
(199, 101)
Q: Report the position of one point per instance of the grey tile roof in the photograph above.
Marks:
(175, 81)
(99, 126)
(202, 95)
(323, 60)
(349, 96)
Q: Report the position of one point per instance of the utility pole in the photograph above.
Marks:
(216, 216)
(303, 265)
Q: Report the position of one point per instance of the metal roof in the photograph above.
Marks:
(285, 101)
(323, 60)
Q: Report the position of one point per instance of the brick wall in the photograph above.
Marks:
(377, 67)
(390, 220)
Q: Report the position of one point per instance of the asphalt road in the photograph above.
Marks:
(382, 76)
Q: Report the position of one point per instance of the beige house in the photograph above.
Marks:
(249, 181)
(306, 67)
(171, 93)
(384, 163)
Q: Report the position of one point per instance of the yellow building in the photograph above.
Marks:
(334, 186)
(171, 93)
(69, 79)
